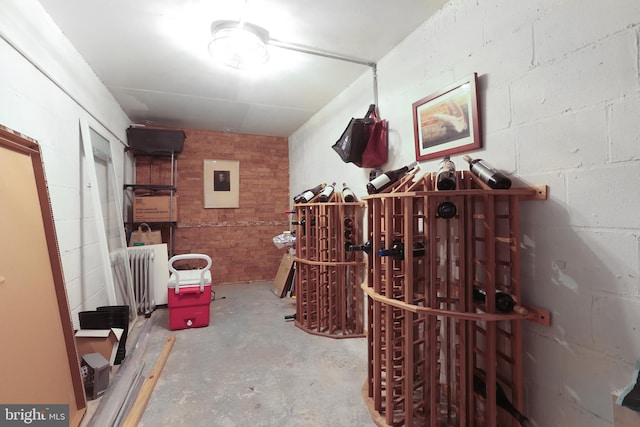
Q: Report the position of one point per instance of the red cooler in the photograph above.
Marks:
(189, 294)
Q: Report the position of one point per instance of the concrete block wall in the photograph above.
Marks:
(47, 90)
(559, 95)
(239, 241)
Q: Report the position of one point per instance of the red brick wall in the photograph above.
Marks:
(239, 241)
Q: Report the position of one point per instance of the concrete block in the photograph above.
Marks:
(625, 129)
(501, 152)
(502, 18)
(65, 202)
(604, 197)
(615, 326)
(553, 400)
(498, 101)
(568, 140)
(540, 361)
(410, 67)
(75, 297)
(511, 57)
(552, 279)
(67, 234)
(449, 46)
(55, 160)
(569, 384)
(614, 263)
(604, 71)
(581, 23)
(552, 211)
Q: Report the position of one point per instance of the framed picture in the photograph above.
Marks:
(447, 122)
(221, 184)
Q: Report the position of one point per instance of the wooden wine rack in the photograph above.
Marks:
(329, 300)
(427, 337)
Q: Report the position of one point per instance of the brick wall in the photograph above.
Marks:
(239, 240)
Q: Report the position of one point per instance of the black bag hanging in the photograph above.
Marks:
(376, 151)
(355, 137)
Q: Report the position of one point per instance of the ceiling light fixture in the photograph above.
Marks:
(242, 45)
(239, 44)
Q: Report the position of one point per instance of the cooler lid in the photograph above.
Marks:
(189, 277)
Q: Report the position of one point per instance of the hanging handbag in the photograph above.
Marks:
(145, 236)
(355, 137)
(376, 152)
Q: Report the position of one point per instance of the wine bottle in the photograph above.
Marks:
(348, 222)
(480, 387)
(326, 193)
(309, 194)
(303, 222)
(348, 194)
(388, 178)
(367, 247)
(397, 250)
(447, 210)
(348, 234)
(446, 176)
(504, 302)
(488, 174)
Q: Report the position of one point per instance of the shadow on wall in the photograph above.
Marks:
(579, 274)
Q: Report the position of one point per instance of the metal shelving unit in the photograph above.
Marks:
(156, 163)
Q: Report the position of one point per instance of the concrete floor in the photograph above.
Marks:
(250, 367)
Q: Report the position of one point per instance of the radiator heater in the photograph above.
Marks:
(141, 261)
(149, 262)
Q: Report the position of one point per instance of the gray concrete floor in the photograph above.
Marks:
(250, 367)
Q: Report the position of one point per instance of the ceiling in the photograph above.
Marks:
(152, 56)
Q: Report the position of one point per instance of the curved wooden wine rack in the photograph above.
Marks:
(533, 314)
(427, 337)
(328, 299)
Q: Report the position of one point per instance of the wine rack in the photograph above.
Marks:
(429, 341)
(329, 300)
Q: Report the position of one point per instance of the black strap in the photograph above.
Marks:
(372, 109)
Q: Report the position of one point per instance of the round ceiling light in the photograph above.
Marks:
(239, 45)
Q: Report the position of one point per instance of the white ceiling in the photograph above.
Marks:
(152, 55)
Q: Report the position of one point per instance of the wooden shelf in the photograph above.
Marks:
(328, 298)
(428, 340)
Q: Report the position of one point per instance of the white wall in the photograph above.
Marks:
(48, 106)
(560, 103)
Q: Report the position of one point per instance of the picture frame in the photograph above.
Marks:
(221, 182)
(447, 122)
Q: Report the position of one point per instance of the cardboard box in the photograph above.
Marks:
(103, 341)
(283, 276)
(623, 416)
(155, 209)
